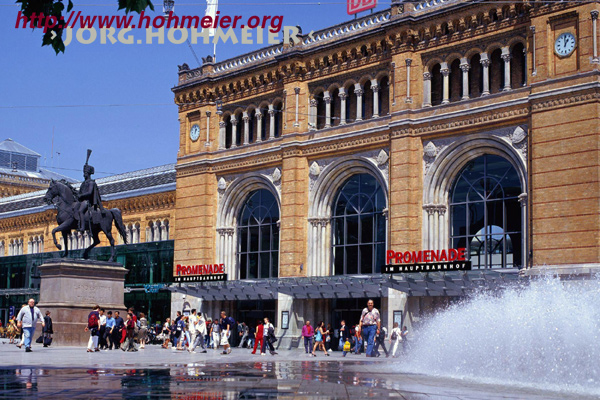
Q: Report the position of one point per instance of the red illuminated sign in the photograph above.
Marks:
(200, 273)
(426, 261)
(356, 6)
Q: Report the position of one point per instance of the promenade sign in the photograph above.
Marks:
(426, 261)
(200, 273)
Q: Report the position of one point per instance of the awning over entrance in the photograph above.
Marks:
(455, 283)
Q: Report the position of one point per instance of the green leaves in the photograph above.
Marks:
(135, 5)
(53, 36)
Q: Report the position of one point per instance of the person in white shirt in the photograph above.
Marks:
(196, 331)
(102, 345)
(395, 338)
(26, 319)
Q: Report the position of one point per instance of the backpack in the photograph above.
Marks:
(394, 335)
(347, 346)
(93, 320)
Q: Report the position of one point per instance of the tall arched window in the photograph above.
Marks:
(358, 227)
(258, 236)
(486, 214)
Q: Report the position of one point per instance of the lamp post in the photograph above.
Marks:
(168, 6)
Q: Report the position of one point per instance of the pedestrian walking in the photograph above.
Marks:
(201, 333)
(166, 333)
(176, 331)
(259, 337)
(307, 334)
(380, 341)
(251, 337)
(47, 330)
(227, 324)
(110, 324)
(404, 339)
(395, 339)
(369, 326)
(143, 333)
(93, 326)
(243, 333)
(207, 335)
(129, 343)
(344, 337)
(358, 341)
(26, 320)
(268, 337)
(215, 332)
(328, 338)
(102, 331)
(319, 338)
(117, 329)
(12, 330)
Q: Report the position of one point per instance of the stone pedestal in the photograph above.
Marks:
(69, 289)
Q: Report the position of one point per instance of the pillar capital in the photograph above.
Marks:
(427, 76)
(594, 14)
(408, 62)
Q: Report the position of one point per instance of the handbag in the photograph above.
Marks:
(40, 340)
(347, 346)
(47, 341)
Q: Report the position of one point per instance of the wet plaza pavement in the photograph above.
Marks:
(153, 373)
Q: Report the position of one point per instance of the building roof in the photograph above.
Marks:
(14, 147)
(130, 184)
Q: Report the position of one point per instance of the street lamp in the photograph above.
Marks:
(168, 6)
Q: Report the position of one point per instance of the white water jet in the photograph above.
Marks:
(545, 335)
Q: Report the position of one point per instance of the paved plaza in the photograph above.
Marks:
(152, 373)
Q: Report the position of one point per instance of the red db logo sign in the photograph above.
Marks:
(356, 6)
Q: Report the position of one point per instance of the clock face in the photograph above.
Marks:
(195, 132)
(565, 44)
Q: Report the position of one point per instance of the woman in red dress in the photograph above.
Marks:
(259, 336)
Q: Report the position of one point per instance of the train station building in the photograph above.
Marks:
(431, 125)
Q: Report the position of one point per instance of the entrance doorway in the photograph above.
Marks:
(349, 310)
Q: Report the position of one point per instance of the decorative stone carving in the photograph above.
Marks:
(518, 135)
(222, 184)
(314, 169)
(276, 175)
(382, 158)
(430, 150)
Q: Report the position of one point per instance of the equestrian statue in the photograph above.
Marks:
(83, 211)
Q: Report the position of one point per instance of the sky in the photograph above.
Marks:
(116, 99)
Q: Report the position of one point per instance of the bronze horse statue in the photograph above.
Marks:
(67, 218)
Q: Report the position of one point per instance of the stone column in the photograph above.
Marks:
(258, 134)
(533, 68)
(446, 83)
(207, 143)
(375, 89)
(523, 203)
(313, 240)
(485, 62)
(358, 91)
(233, 132)
(426, 89)
(442, 242)
(246, 120)
(506, 57)
(343, 97)
(297, 93)
(430, 210)
(327, 100)
(464, 67)
(408, 64)
(323, 235)
(272, 120)
(312, 124)
(222, 125)
(594, 15)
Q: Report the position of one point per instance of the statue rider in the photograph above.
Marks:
(89, 195)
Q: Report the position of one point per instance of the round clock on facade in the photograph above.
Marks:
(565, 44)
(195, 132)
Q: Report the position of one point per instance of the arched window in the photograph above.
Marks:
(486, 214)
(251, 135)
(455, 81)
(496, 71)
(475, 76)
(350, 104)
(228, 131)
(436, 85)
(265, 123)
(336, 105)
(518, 70)
(321, 112)
(258, 236)
(278, 108)
(367, 99)
(358, 227)
(239, 131)
(384, 96)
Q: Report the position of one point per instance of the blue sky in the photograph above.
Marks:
(34, 83)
